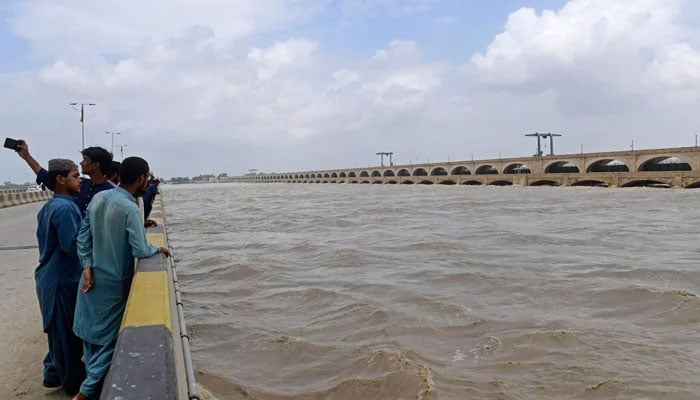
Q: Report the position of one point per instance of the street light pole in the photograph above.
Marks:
(113, 133)
(121, 150)
(82, 117)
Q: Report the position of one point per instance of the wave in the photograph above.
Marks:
(641, 274)
(405, 384)
(303, 296)
(645, 300)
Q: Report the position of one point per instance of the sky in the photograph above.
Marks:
(223, 86)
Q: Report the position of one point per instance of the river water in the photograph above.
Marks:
(305, 291)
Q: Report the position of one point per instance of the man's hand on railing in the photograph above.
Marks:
(165, 251)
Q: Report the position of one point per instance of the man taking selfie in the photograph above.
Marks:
(97, 163)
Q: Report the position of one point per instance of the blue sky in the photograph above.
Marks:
(287, 85)
(14, 49)
(451, 30)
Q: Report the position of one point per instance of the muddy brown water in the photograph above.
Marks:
(297, 291)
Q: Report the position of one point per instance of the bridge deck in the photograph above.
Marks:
(675, 167)
(23, 345)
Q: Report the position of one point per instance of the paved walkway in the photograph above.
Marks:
(22, 342)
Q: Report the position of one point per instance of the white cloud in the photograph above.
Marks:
(75, 28)
(595, 56)
(201, 74)
(597, 37)
(679, 66)
(61, 73)
(399, 50)
(129, 74)
(292, 53)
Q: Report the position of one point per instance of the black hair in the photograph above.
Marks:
(131, 169)
(101, 156)
(51, 178)
(115, 168)
(114, 172)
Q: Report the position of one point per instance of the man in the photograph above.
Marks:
(96, 163)
(57, 277)
(148, 198)
(111, 235)
(114, 173)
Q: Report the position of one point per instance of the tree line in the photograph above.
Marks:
(198, 178)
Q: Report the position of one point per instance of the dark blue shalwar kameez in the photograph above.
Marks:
(57, 278)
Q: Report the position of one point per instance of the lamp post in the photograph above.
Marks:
(82, 117)
(113, 133)
(121, 150)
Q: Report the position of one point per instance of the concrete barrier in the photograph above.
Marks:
(149, 361)
(15, 197)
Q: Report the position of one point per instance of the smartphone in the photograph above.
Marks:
(12, 144)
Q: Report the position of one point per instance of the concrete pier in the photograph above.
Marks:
(23, 345)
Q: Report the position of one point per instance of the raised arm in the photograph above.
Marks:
(33, 164)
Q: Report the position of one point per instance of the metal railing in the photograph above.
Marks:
(192, 391)
(184, 338)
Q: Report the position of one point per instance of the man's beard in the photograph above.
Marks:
(140, 191)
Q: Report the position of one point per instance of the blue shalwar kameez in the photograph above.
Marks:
(111, 235)
(57, 279)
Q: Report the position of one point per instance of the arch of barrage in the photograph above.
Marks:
(611, 169)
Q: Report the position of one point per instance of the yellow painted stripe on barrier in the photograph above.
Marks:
(149, 301)
(157, 239)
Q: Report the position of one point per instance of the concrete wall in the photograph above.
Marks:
(13, 197)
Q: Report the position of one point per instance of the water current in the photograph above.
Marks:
(343, 292)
